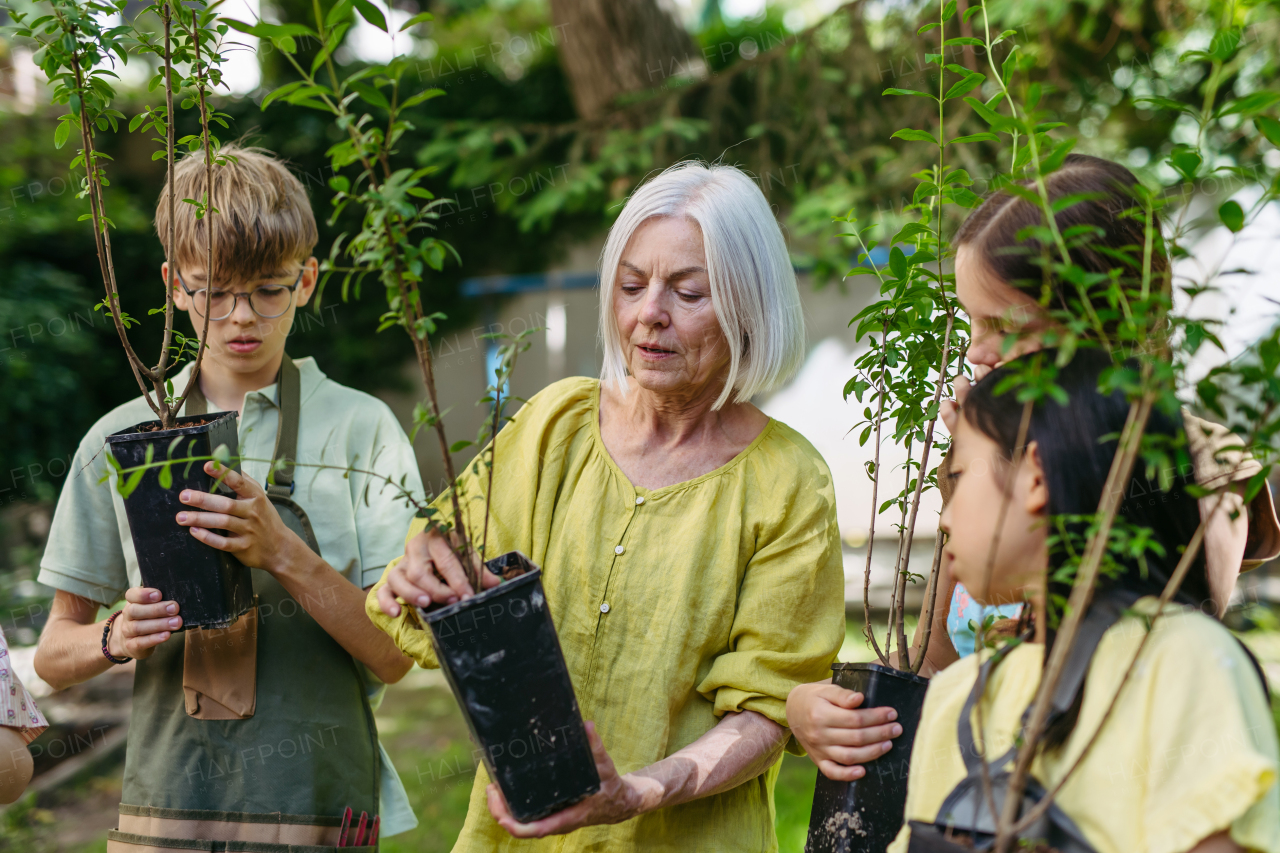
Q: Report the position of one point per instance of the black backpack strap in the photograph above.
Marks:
(964, 808)
(1104, 612)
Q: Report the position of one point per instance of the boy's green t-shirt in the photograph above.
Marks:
(90, 550)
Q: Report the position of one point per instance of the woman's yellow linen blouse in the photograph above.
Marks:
(673, 606)
(1190, 749)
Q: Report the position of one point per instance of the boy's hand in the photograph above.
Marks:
(823, 717)
(255, 533)
(144, 623)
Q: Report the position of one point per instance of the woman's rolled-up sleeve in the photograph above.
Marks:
(405, 630)
(789, 622)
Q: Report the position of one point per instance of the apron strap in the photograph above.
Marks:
(196, 404)
(289, 392)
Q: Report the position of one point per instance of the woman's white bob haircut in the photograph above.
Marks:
(753, 287)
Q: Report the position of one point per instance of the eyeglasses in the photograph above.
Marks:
(268, 301)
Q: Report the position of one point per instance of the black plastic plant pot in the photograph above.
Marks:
(865, 815)
(501, 655)
(212, 588)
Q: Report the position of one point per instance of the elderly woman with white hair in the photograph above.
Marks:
(688, 542)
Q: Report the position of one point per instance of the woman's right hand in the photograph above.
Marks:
(429, 573)
(837, 733)
(144, 623)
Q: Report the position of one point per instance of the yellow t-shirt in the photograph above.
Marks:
(723, 593)
(1190, 749)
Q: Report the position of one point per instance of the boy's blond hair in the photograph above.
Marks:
(264, 222)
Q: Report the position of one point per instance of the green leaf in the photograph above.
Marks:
(60, 135)
(1270, 128)
(1250, 104)
(970, 12)
(1232, 216)
(1054, 161)
(166, 478)
(1164, 104)
(1224, 44)
(949, 10)
(424, 95)
(991, 117)
(421, 17)
(339, 12)
(912, 135)
(908, 92)
(927, 27)
(1186, 161)
(372, 14)
(460, 445)
(898, 262)
(963, 40)
(965, 86)
(241, 26)
(975, 137)
(370, 94)
(286, 89)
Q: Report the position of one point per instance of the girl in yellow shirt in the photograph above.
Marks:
(1187, 760)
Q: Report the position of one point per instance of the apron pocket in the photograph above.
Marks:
(220, 670)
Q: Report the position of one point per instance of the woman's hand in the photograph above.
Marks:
(144, 623)
(619, 799)
(429, 573)
(838, 736)
(256, 535)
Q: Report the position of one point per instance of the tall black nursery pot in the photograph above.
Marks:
(863, 816)
(212, 588)
(502, 657)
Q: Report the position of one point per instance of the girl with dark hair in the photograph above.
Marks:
(1001, 286)
(1187, 759)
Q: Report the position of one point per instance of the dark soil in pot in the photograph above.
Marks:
(212, 588)
(863, 816)
(502, 657)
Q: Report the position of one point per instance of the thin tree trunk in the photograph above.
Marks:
(611, 47)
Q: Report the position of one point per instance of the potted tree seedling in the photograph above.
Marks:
(499, 649)
(916, 325)
(916, 344)
(78, 48)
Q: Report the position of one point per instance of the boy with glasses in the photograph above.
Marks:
(261, 733)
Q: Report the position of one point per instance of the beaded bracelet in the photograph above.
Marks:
(106, 632)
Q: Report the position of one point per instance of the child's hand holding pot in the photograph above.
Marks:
(144, 623)
(430, 573)
(836, 731)
(255, 533)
